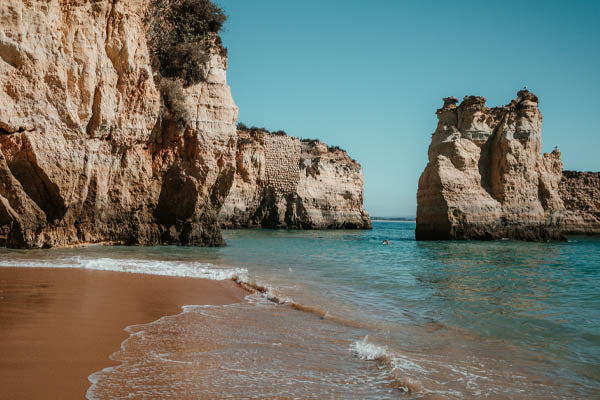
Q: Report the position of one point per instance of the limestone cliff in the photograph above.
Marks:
(94, 145)
(580, 192)
(486, 177)
(283, 182)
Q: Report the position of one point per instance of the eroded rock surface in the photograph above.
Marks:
(94, 147)
(282, 182)
(580, 193)
(486, 177)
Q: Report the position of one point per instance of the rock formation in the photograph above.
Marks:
(117, 126)
(486, 177)
(95, 146)
(580, 193)
(283, 182)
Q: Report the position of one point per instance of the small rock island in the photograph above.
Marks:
(487, 178)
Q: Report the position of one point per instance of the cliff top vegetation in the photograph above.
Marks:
(181, 35)
(243, 127)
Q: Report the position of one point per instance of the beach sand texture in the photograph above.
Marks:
(58, 326)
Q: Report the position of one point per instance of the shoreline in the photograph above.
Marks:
(58, 326)
(394, 220)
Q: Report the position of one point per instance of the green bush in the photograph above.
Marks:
(181, 35)
(242, 126)
(254, 128)
(174, 99)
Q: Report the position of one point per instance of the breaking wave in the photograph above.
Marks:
(137, 266)
(369, 351)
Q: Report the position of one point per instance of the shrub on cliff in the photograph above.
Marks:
(242, 126)
(181, 34)
(174, 100)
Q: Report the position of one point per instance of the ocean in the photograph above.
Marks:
(341, 315)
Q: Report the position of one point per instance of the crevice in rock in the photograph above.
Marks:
(5, 130)
(38, 186)
(296, 215)
(489, 165)
(266, 214)
(178, 198)
(10, 52)
(220, 189)
(94, 121)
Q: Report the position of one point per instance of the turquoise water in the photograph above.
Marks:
(541, 300)
(466, 319)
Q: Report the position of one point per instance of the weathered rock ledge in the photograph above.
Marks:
(283, 182)
(486, 177)
(580, 193)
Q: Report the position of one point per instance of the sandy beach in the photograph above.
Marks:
(57, 326)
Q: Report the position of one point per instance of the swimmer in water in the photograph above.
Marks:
(385, 242)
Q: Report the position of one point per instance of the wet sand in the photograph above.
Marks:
(58, 326)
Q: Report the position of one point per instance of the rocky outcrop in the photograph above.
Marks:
(94, 145)
(486, 177)
(580, 193)
(283, 182)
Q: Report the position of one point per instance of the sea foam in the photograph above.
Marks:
(138, 266)
(369, 351)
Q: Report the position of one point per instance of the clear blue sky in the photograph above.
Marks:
(369, 75)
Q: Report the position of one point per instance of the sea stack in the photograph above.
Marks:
(486, 177)
(284, 182)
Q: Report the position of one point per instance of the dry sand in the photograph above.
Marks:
(57, 326)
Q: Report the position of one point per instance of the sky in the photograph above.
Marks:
(368, 76)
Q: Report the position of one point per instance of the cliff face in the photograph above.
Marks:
(486, 177)
(94, 147)
(282, 182)
(580, 192)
